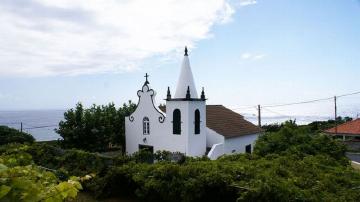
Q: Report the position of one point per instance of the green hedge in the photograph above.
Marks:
(237, 177)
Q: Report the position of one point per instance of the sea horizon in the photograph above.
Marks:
(41, 123)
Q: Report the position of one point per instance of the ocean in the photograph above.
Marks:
(42, 123)
(39, 123)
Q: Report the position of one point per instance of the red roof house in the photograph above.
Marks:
(350, 128)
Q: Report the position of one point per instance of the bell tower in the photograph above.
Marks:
(186, 112)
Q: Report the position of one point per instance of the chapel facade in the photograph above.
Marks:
(186, 124)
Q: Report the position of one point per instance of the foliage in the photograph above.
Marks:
(20, 179)
(243, 177)
(314, 127)
(292, 164)
(319, 126)
(276, 126)
(299, 141)
(65, 162)
(95, 128)
(10, 135)
(71, 162)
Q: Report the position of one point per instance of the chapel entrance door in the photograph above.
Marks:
(147, 148)
(147, 158)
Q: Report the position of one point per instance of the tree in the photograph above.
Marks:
(10, 135)
(95, 128)
(300, 141)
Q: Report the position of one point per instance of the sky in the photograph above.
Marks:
(55, 53)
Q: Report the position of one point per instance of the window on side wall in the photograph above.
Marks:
(146, 126)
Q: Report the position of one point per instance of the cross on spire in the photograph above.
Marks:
(146, 77)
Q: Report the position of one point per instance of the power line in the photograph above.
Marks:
(9, 123)
(311, 101)
(343, 95)
(245, 107)
(275, 112)
(36, 127)
(296, 103)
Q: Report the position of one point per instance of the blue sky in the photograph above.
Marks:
(243, 52)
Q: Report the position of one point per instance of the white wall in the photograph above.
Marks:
(219, 143)
(187, 142)
(197, 142)
(161, 135)
(134, 129)
(238, 143)
(213, 137)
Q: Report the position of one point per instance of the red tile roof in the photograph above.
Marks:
(227, 122)
(348, 128)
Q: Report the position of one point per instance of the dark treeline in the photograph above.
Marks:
(313, 127)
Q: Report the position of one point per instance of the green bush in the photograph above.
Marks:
(237, 177)
(168, 182)
(292, 164)
(95, 128)
(73, 162)
(22, 180)
(294, 140)
(10, 135)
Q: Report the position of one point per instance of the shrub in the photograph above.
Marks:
(294, 140)
(73, 162)
(237, 177)
(10, 135)
(95, 128)
(21, 180)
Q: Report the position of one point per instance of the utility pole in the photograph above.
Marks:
(335, 115)
(21, 127)
(259, 115)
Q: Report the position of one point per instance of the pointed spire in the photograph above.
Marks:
(168, 96)
(203, 94)
(186, 79)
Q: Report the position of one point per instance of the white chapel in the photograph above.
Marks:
(186, 124)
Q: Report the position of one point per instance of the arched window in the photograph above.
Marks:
(176, 121)
(146, 126)
(197, 122)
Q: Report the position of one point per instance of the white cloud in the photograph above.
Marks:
(246, 55)
(70, 37)
(251, 56)
(247, 2)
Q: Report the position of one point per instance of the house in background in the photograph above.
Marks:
(349, 132)
(186, 124)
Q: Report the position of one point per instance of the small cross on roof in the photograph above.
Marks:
(146, 77)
